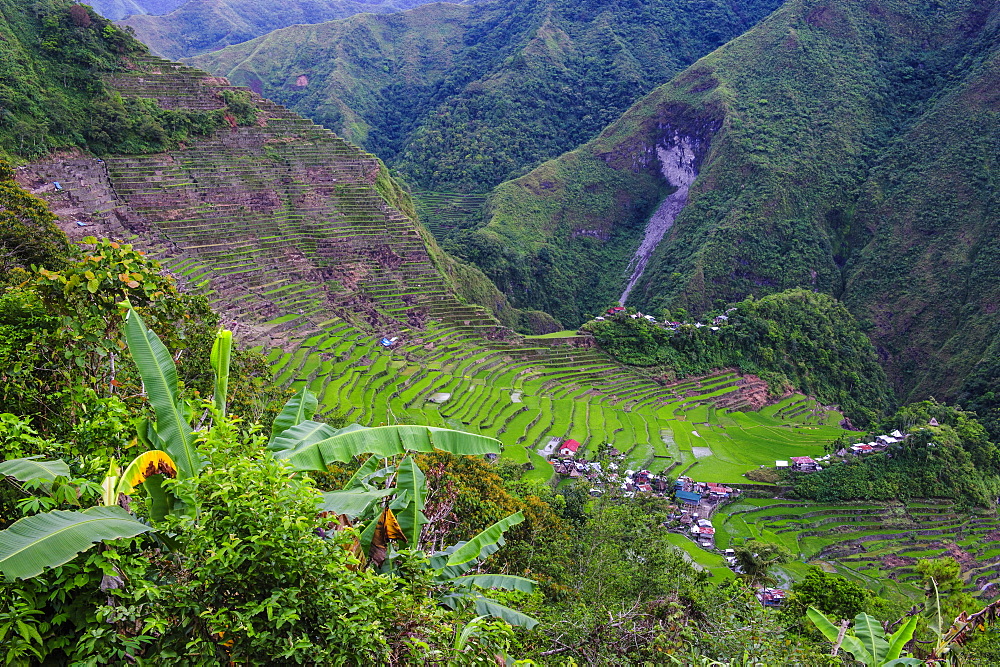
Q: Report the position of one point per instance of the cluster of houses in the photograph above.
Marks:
(690, 492)
(565, 461)
(879, 444)
(695, 502)
(717, 322)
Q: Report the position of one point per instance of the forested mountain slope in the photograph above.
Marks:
(200, 26)
(459, 98)
(845, 147)
(119, 9)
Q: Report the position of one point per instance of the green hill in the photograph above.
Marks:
(844, 147)
(201, 26)
(460, 98)
(119, 9)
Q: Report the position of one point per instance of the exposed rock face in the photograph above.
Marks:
(677, 164)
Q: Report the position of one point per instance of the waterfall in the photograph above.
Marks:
(677, 166)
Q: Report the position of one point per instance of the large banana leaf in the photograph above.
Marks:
(445, 572)
(34, 467)
(161, 501)
(222, 351)
(869, 632)
(299, 408)
(504, 581)
(933, 611)
(341, 446)
(159, 377)
(46, 540)
(352, 503)
(302, 435)
(486, 606)
(900, 638)
(411, 518)
(472, 549)
(831, 632)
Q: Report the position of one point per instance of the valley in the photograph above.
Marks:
(292, 235)
(489, 330)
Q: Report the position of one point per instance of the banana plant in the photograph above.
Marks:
(390, 485)
(51, 539)
(867, 641)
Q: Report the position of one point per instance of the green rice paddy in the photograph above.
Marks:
(876, 545)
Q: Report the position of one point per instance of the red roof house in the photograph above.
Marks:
(569, 448)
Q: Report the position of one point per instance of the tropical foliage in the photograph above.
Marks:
(953, 459)
(867, 641)
(795, 339)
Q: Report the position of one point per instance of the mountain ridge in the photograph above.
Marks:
(510, 83)
(806, 104)
(201, 26)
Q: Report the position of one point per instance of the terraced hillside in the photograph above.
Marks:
(876, 545)
(301, 240)
(444, 212)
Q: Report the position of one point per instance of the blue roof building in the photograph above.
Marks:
(689, 497)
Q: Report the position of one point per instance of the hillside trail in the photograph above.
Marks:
(677, 166)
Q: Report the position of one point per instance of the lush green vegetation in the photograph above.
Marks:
(460, 98)
(795, 339)
(54, 96)
(190, 28)
(954, 459)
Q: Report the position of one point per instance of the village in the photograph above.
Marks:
(716, 323)
(692, 502)
(693, 505)
(881, 443)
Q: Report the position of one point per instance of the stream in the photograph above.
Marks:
(677, 166)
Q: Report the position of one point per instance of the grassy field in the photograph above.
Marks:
(740, 441)
(713, 563)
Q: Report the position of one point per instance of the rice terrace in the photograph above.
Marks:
(499, 332)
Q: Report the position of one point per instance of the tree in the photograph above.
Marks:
(369, 495)
(834, 596)
(28, 231)
(755, 560)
